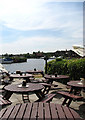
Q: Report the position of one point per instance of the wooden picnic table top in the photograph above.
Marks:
(37, 71)
(20, 76)
(25, 90)
(76, 87)
(55, 78)
(23, 76)
(39, 111)
(31, 87)
(76, 84)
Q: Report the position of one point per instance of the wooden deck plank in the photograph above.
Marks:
(66, 110)
(1, 103)
(53, 111)
(47, 111)
(4, 101)
(2, 112)
(28, 111)
(40, 111)
(60, 112)
(8, 112)
(14, 112)
(75, 115)
(34, 111)
(21, 111)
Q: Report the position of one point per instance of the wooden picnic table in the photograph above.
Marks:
(76, 86)
(29, 88)
(35, 72)
(39, 111)
(24, 76)
(52, 78)
(74, 93)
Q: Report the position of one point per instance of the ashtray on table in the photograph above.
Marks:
(23, 86)
(80, 83)
(53, 76)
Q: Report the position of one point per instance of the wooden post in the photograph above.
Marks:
(45, 58)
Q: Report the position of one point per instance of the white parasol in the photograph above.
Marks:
(2, 68)
(79, 50)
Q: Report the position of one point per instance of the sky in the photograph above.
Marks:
(28, 26)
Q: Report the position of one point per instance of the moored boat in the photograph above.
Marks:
(6, 60)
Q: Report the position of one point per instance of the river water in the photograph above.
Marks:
(39, 64)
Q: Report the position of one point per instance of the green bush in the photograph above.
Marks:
(19, 59)
(75, 68)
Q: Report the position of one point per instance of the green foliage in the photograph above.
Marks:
(75, 68)
(58, 59)
(19, 59)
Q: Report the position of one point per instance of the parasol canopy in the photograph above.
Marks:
(2, 68)
(79, 50)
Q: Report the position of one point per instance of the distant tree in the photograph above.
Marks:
(11, 55)
(6, 55)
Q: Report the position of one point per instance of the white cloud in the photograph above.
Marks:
(31, 14)
(35, 15)
(31, 44)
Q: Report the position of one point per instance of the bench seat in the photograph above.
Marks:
(47, 98)
(69, 96)
(49, 85)
(4, 101)
(2, 91)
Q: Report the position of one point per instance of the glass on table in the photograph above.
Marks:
(24, 83)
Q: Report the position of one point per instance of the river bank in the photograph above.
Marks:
(39, 64)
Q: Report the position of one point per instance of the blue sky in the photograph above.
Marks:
(36, 25)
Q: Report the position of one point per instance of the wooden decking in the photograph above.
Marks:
(39, 111)
(77, 106)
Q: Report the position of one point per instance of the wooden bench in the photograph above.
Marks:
(47, 98)
(6, 82)
(68, 96)
(46, 84)
(68, 87)
(2, 92)
(4, 101)
(47, 87)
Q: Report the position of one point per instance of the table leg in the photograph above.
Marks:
(64, 102)
(50, 81)
(71, 90)
(69, 102)
(11, 78)
(78, 91)
(27, 80)
(39, 94)
(42, 74)
(46, 89)
(75, 91)
(7, 94)
(25, 98)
